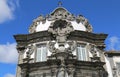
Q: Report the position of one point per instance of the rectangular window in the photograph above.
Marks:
(81, 52)
(41, 53)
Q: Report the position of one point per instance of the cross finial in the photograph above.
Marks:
(59, 3)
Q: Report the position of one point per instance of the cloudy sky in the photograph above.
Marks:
(17, 15)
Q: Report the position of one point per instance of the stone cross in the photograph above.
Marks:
(59, 3)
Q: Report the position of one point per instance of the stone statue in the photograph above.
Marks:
(51, 47)
(62, 72)
(72, 47)
(30, 51)
(93, 51)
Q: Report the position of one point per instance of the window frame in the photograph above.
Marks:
(84, 51)
(39, 46)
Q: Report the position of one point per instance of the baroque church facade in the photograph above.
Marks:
(62, 45)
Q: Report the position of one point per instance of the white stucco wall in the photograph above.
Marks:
(45, 26)
(77, 26)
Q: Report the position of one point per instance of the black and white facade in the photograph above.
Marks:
(61, 45)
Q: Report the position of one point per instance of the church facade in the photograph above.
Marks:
(61, 45)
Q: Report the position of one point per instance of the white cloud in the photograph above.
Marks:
(9, 75)
(7, 8)
(114, 43)
(8, 53)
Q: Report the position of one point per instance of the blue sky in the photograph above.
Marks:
(16, 16)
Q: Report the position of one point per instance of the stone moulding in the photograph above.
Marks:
(24, 39)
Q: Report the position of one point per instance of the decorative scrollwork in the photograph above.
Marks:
(60, 29)
(36, 22)
(84, 21)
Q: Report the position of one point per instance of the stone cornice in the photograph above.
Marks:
(98, 39)
(112, 53)
(68, 62)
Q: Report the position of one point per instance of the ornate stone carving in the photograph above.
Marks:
(51, 47)
(62, 71)
(30, 51)
(71, 72)
(60, 29)
(32, 28)
(60, 13)
(94, 51)
(72, 47)
(80, 18)
(84, 21)
(36, 22)
(40, 19)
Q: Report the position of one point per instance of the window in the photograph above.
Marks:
(41, 53)
(81, 52)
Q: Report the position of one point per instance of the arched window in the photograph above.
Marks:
(41, 53)
(81, 52)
